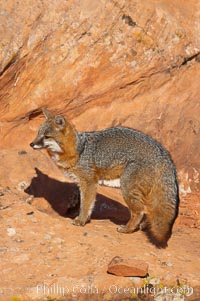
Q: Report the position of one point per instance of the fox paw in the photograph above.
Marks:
(77, 222)
(143, 226)
(125, 229)
(122, 229)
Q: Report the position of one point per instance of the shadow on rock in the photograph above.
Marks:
(60, 196)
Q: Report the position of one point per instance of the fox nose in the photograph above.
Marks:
(32, 144)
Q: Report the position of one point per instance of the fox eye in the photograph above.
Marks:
(47, 136)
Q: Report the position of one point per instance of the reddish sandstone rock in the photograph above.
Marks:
(104, 63)
(128, 267)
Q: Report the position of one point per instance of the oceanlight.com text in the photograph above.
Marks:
(60, 290)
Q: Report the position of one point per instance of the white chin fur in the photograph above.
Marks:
(53, 146)
(37, 146)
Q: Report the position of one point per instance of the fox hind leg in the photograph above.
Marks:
(137, 212)
(133, 186)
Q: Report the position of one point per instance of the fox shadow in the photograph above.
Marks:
(59, 195)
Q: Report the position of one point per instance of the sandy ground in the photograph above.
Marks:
(45, 257)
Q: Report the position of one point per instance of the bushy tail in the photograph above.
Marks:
(161, 217)
(158, 232)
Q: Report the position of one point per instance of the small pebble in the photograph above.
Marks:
(11, 231)
(19, 240)
(30, 199)
(58, 240)
(154, 281)
(167, 264)
(22, 152)
(30, 213)
(47, 237)
(135, 279)
(22, 185)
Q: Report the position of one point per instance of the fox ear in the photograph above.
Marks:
(47, 113)
(60, 122)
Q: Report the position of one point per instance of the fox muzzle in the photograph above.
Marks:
(36, 146)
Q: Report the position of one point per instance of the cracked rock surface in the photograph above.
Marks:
(102, 63)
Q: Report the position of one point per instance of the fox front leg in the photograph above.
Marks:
(88, 196)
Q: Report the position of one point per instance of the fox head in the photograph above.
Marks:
(53, 133)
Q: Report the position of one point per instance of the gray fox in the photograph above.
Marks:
(117, 157)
